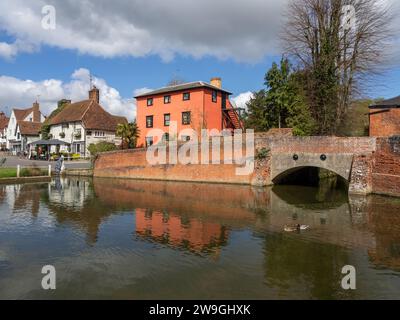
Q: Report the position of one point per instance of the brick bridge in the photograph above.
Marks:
(370, 165)
(349, 158)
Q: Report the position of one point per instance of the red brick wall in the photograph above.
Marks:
(386, 167)
(133, 164)
(356, 145)
(376, 157)
(384, 123)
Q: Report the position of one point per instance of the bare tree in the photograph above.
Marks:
(338, 44)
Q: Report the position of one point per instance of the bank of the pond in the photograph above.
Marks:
(15, 180)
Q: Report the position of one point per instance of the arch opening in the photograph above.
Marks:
(312, 177)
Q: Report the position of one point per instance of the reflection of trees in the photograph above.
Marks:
(72, 201)
(27, 197)
(310, 267)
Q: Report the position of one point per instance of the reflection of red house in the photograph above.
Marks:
(194, 234)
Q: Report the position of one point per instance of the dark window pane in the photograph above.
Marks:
(186, 96)
(149, 141)
(186, 117)
(214, 96)
(149, 122)
(167, 118)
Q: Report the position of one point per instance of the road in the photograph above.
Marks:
(13, 161)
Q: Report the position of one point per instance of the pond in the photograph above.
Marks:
(128, 239)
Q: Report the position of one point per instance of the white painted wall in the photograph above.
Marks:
(85, 139)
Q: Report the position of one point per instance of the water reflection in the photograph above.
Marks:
(217, 241)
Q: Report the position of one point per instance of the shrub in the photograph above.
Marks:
(33, 172)
(262, 154)
(102, 146)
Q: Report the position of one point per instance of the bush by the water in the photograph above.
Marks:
(102, 146)
(33, 172)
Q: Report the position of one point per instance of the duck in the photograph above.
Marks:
(298, 227)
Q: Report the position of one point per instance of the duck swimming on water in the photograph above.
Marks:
(298, 227)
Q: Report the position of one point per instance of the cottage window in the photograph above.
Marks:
(88, 133)
(99, 134)
(149, 122)
(167, 99)
(167, 118)
(186, 117)
(186, 96)
(65, 126)
(149, 102)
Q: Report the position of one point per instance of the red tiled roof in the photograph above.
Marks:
(29, 128)
(90, 113)
(3, 121)
(21, 114)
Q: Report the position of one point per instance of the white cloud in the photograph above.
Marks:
(17, 93)
(243, 30)
(242, 99)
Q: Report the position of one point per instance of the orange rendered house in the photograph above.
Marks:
(195, 105)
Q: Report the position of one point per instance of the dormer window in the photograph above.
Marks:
(149, 102)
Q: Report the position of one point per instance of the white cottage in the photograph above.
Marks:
(85, 122)
(24, 127)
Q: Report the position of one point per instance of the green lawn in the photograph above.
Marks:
(25, 172)
(8, 172)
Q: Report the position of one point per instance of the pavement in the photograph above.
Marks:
(13, 161)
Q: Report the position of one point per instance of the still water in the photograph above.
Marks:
(126, 239)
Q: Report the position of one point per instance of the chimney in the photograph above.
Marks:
(94, 94)
(36, 112)
(216, 82)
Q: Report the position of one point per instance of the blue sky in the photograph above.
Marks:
(138, 45)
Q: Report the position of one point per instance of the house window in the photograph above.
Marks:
(65, 126)
(99, 134)
(167, 118)
(167, 99)
(165, 137)
(214, 96)
(18, 136)
(149, 141)
(149, 122)
(149, 102)
(186, 96)
(88, 133)
(186, 117)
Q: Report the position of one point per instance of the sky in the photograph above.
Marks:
(131, 46)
